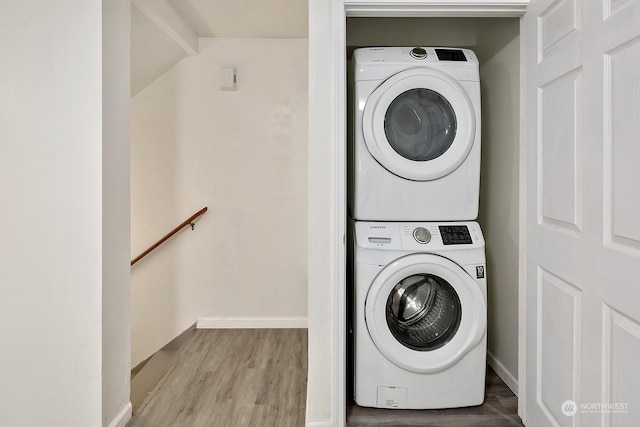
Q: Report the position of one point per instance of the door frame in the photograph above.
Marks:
(327, 182)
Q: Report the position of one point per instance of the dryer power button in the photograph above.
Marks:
(422, 235)
(418, 53)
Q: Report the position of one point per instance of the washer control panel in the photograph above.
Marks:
(455, 235)
(418, 235)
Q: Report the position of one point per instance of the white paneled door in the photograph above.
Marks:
(583, 213)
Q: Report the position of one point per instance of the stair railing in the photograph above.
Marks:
(188, 221)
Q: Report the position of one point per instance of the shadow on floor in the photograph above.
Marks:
(500, 408)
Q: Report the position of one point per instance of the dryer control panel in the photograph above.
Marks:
(414, 54)
(379, 63)
(450, 55)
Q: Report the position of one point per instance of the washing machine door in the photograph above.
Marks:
(419, 124)
(424, 313)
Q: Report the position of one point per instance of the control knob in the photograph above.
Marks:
(422, 235)
(418, 53)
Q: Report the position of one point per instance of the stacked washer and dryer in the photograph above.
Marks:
(419, 310)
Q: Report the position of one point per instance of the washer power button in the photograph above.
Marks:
(422, 235)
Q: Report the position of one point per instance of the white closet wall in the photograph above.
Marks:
(499, 52)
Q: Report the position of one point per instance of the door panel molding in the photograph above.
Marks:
(620, 160)
(560, 153)
(565, 341)
(583, 240)
(560, 21)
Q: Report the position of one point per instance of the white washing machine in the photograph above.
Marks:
(415, 148)
(419, 315)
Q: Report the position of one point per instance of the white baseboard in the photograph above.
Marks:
(319, 423)
(123, 417)
(251, 323)
(503, 373)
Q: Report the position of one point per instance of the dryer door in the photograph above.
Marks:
(424, 313)
(419, 124)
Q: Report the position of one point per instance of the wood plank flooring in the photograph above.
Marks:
(258, 377)
(500, 409)
(232, 377)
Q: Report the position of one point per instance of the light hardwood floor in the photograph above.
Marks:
(258, 377)
(232, 377)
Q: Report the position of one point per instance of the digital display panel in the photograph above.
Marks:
(455, 235)
(450, 55)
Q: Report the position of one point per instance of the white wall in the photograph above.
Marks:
(244, 155)
(52, 263)
(365, 32)
(116, 272)
(499, 54)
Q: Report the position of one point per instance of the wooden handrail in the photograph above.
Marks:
(188, 221)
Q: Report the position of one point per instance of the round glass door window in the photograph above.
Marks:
(420, 124)
(423, 312)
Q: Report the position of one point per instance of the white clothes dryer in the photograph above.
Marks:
(420, 315)
(415, 144)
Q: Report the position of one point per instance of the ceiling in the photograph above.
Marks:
(153, 52)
